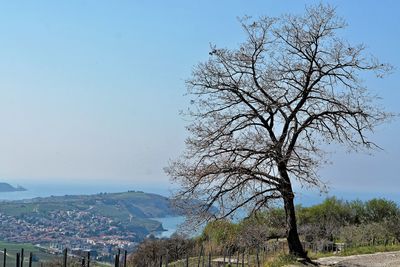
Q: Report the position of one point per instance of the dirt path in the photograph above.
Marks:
(382, 259)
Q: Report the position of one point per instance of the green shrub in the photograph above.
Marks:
(372, 233)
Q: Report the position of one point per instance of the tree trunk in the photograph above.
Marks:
(295, 246)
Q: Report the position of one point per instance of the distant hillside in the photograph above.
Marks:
(77, 218)
(5, 187)
(132, 203)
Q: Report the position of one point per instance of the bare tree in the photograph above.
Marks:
(262, 114)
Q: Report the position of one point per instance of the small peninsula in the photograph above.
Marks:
(5, 187)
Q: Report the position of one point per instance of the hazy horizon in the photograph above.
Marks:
(60, 188)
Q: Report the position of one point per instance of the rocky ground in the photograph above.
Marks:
(382, 259)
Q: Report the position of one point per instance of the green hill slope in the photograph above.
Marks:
(122, 216)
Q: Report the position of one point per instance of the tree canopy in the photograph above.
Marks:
(262, 113)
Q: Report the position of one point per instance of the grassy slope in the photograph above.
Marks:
(13, 249)
(41, 256)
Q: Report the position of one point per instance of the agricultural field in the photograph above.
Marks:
(39, 255)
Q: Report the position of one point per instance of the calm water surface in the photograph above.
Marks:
(171, 224)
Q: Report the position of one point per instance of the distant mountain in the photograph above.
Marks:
(5, 187)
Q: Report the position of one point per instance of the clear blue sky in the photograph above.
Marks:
(91, 90)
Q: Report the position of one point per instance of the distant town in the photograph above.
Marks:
(99, 223)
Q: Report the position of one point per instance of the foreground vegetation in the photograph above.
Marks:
(334, 226)
(40, 257)
(14, 248)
